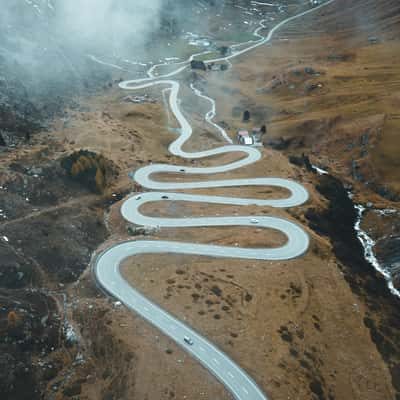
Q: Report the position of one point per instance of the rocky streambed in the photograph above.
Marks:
(379, 232)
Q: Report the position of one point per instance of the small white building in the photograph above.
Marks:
(247, 140)
(244, 138)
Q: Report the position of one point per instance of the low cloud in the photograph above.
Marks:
(114, 26)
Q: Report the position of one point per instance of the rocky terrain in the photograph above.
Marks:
(324, 326)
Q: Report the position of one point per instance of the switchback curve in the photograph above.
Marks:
(107, 264)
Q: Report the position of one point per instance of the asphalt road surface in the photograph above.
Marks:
(106, 266)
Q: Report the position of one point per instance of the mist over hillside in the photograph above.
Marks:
(36, 32)
(44, 48)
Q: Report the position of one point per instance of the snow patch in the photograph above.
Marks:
(319, 171)
(70, 334)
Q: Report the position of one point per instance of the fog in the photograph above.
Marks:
(107, 25)
(114, 26)
(44, 48)
(44, 44)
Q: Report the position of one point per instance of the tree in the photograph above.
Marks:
(12, 319)
(246, 116)
(2, 141)
(99, 180)
(86, 162)
(224, 51)
(76, 168)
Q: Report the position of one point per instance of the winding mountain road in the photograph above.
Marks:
(106, 265)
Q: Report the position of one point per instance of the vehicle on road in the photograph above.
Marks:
(188, 340)
(254, 221)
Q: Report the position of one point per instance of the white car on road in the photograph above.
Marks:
(188, 340)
